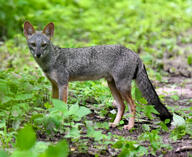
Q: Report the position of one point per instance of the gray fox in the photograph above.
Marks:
(116, 63)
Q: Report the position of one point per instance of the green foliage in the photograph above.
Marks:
(175, 97)
(182, 127)
(96, 134)
(19, 88)
(3, 153)
(130, 148)
(26, 146)
(151, 26)
(178, 120)
(18, 91)
(155, 141)
(189, 59)
(85, 22)
(148, 110)
(61, 115)
(89, 89)
(178, 132)
(26, 138)
(59, 150)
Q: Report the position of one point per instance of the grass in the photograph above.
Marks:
(26, 108)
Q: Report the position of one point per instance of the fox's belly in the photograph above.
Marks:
(89, 77)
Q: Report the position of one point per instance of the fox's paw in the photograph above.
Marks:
(128, 127)
(112, 125)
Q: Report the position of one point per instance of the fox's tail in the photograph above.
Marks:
(149, 93)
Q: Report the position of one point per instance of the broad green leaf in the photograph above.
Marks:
(3, 154)
(148, 110)
(73, 110)
(178, 120)
(118, 144)
(40, 147)
(59, 106)
(61, 149)
(25, 138)
(83, 111)
(74, 132)
(189, 59)
(138, 94)
(24, 153)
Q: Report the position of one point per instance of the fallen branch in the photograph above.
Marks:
(184, 148)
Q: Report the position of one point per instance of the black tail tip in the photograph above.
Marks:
(165, 117)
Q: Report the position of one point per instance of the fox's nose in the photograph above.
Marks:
(38, 55)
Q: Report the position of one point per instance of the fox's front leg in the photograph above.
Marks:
(63, 92)
(61, 78)
(55, 90)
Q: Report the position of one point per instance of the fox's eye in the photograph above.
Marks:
(44, 45)
(33, 44)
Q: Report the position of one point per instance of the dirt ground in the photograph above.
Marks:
(181, 148)
(181, 86)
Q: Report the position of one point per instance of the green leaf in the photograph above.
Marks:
(97, 135)
(24, 153)
(26, 138)
(59, 106)
(118, 144)
(189, 59)
(138, 94)
(83, 111)
(175, 97)
(78, 112)
(61, 149)
(3, 154)
(148, 110)
(40, 147)
(23, 96)
(73, 132)
(73, 110)
(146, 127)
(178, 120)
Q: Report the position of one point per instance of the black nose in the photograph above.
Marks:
(38, 55)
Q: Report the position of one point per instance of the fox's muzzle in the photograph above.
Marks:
(38, 52)
(38, 55)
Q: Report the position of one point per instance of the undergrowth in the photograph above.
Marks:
(33, 124)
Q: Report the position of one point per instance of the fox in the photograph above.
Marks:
(117, 64)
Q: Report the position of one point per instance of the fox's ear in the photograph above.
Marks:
(28, 29)
(49, 30)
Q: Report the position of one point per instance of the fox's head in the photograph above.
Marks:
(38, 41)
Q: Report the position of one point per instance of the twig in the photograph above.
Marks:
(184, 148)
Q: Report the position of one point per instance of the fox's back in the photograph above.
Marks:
(95, 62)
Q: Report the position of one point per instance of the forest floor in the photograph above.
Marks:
(174, 89)
(174, 85)
(170, 87)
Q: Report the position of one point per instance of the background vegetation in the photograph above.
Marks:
(148, 27)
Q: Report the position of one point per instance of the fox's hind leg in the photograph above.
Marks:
(132, 109)
(118, 102)
(124, 88)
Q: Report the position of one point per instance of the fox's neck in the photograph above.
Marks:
(46, 61)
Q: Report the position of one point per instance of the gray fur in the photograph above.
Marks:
(112, 62)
